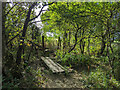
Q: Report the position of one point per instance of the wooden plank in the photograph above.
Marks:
(59, 69)
(68, 70)
(53, 66)
(48, 64)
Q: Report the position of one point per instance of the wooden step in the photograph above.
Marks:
(54, 67)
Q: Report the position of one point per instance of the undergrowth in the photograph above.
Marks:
(100, 79)
(31, 79)
(72, 59)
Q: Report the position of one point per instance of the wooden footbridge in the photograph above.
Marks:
(54, 67)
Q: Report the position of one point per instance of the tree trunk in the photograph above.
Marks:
(75, 42)
(103, 45)
(20, 48)
(82, 46)
(59, 42)
(64, 40)
(69, 38)
(43, 46)
(111, 60)
(88, 45)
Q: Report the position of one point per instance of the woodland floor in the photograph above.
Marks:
(60, 80)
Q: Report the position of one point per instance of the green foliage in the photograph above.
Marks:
(100, 79)
(114, 83)
(31, 79)
(74, 59)
(89, 23)
(8, 84)
(117, 69)
(97, 79)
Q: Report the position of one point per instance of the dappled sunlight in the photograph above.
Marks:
(61, 45)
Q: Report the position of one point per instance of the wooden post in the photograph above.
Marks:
(58, 47)
(60, 43)
(43, 46)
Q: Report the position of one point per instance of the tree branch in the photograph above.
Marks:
(38, 21)
(75, 40)
(35, 44)
(10, 10)
(40, 11)
(13, 38)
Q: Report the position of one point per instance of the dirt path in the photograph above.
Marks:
(72, 80)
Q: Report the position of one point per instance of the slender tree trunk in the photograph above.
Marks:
(82, 43)
(20, 48)
(43, 46)
(69, 38)
(111, 47)
(32, 44)
(103, 45)
(75, 42)
(82, 46)
(111, 60)
(110, 56)
(88, 45)
(59, 41)
(64, 40)
(30, 52)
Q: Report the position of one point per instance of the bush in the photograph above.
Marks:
(99, 79)
(9, 82)
(74, 58)
(117, 70)
(32, 78)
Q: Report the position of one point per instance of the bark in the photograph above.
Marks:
(17, 73)
(59, 42)
(88, 45)
(69, 38)
(82, 43)
(10, 9)
(111, 57)
(82, 46)
(103, 45)
(64, 40)
(13, 38)
(20, 48)
(111, 60)
(43, 46)
(29, 54)
(75, 42)
(32, 43)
